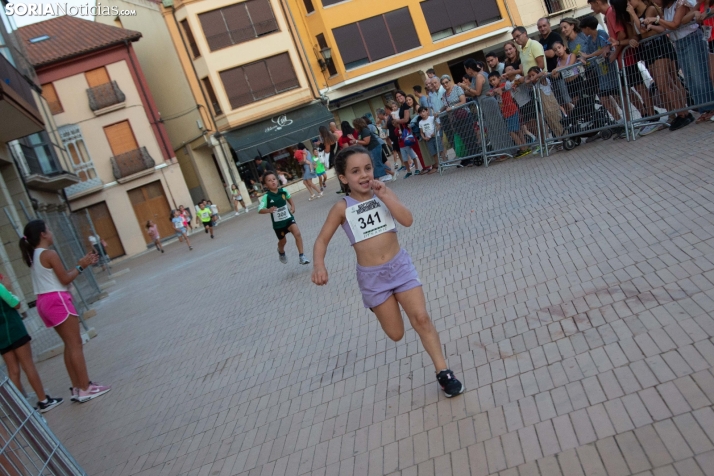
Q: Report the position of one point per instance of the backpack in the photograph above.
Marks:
(408, 137)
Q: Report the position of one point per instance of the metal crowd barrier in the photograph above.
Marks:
(595, 108)
(27, 445)
(678, 62)
(458, 129)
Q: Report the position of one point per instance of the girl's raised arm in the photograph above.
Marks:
(396, 208)
(50, 259)
(334, 220)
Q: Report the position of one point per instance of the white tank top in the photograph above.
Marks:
(44, 280)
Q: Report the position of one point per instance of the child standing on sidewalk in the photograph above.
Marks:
(385, 272)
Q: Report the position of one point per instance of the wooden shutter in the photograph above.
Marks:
(214, 28)
(121, 138)
(282, 72)
(212, 96)
(238, 23)
(436, 15)
(50, 94)
(349, 43)
(401, 27)
(486, 11)
(190, 39)
(259, 80)
(97, 77)
(261, 13)
(376, 36)
(460, 12)
(236, 87)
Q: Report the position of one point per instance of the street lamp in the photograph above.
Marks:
(326, 59)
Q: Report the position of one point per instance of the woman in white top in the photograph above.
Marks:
(51, 281)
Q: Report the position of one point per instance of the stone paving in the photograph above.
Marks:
(574, 296)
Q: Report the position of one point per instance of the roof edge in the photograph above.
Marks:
(132, 39)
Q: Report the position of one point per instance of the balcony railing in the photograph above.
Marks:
(47, 165)
(41, 168)
(132, 162)
(16, 81)
(105, 95)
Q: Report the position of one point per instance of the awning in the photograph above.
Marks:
(282, 131)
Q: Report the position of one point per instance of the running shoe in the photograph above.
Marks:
(593, 138)
(320, 196)
(649, 129)
(93, 391)
(49, 404)
(681, 122)
(409, 174)
(304, 260)
(521, 153)
(535, 150)
(449, 384)
(211, 236)
(416, 172)
(283, 257)
(206, 230)
(403, 167)
(190, 248)
(74, 392)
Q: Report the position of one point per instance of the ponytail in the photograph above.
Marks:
(31, 238)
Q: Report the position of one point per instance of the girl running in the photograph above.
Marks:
(15, 348)
(308, 171)
(51, 281)
(180, 226)
(385, 273)
(237, 198)
(275, 201)
(153, 232)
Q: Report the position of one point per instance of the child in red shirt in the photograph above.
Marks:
(509, 109)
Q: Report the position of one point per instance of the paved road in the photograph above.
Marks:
(574, 296)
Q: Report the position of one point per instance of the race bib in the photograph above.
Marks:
(281, 214)
(369, 219)
(707, 30)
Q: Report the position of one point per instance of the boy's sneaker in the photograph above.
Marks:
(283, 257)
(408, 175)
(49, 404)
(403, 167)
(304, 260)
(74, 392)
(449, 384)
(93, 391)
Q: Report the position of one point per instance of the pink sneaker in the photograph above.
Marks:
(93, 391)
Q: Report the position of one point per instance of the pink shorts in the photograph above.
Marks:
(55, 307)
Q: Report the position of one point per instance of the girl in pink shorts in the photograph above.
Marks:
(385, 272)
(51, 282)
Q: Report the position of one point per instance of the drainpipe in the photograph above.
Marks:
(323, 97)
(158, 122)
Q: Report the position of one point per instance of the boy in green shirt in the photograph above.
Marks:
(321, 173)
(203, 214)
(278, 203)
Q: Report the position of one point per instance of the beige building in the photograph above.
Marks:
(107, 121)
(244, 61)
(205, 160)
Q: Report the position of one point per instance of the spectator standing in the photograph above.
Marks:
(263, 166)
(660, 58)
(576, 40)
(462, 137)
(531, 52)
(413, 126)
(509, 109)
(691, 47)
(495, 125)
(513, 59)
(428, 134)
(368, 140)
(494, 64)
(431, 74)
(329, 143)
(404, 117)
(308, 171)
(547, 38)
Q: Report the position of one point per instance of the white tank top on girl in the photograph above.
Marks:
(44, 280)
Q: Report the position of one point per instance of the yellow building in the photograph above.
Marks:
(362, 50)
(248, 69)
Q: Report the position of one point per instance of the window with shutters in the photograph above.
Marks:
(450, 17)
(238, 23)
(121, 138)
(212, 96)
(375, 38)
(50, 95)
(255, 81)
(327, 3)
(190, 39)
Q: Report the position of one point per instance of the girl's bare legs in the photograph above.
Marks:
(13, 369)
(610, 105)
(188, 242)
(298, 238)
(158, 245)
(414, 304)
(73, 352)
(669, 86)
(24, 356)
(235, 205)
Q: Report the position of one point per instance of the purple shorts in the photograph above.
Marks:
(377, 283)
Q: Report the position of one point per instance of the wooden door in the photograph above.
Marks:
(104, 226)
(97, 77)
(150, 203)
(121, 138)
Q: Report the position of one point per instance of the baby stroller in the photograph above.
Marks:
(588, 115)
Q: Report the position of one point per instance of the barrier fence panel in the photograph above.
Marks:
(580, 102)
(459, 130)
(501, 131)
(679, 64)
(27, 445)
